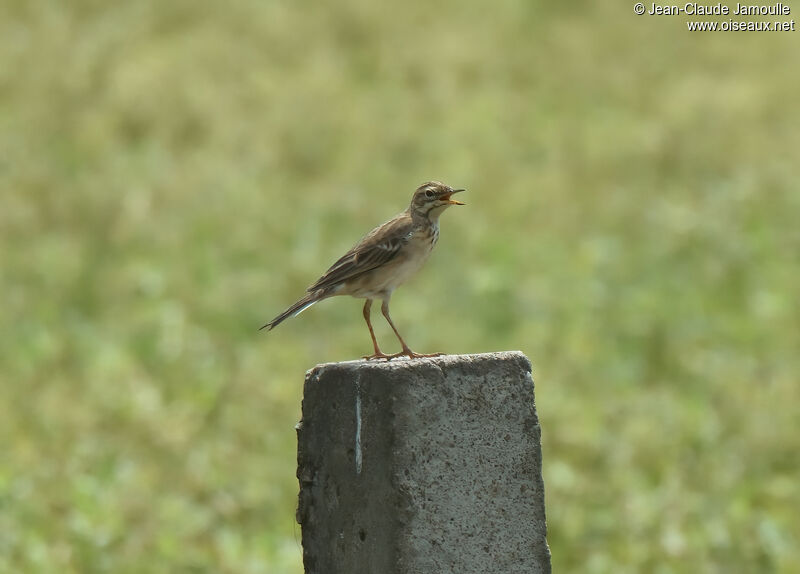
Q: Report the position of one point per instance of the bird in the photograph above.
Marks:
(382, 260)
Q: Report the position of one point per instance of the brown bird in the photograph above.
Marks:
(384, 258)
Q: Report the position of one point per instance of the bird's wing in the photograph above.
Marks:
(378, 247)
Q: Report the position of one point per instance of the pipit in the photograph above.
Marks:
(382, 260)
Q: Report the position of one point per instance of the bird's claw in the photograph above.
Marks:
(404, 353)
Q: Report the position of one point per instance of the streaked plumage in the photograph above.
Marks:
(382, 260)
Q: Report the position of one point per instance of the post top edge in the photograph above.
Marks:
(402, 362)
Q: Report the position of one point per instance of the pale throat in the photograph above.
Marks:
(432, 215)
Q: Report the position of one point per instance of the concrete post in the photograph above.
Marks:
(425, 466)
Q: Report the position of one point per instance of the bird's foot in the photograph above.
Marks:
(406, 352)
(378, 355)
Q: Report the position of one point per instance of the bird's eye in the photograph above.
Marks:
(429, 193)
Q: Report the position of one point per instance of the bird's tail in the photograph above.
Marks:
(296, 308)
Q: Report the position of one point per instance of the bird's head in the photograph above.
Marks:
(431, 199)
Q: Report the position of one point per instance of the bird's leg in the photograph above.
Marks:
(406, 351)
(378, 353)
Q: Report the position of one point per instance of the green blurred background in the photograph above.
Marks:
(173, 174)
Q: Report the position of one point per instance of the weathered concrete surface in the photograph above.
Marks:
(425, 466)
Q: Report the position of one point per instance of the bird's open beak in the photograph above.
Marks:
(453, 201)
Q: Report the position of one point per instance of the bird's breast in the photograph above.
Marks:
(384, 279)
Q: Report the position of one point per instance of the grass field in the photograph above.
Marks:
(173, 174)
